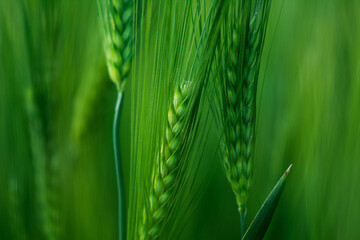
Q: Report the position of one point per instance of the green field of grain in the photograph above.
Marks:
(216, 99)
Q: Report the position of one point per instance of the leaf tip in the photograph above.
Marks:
(288, 170)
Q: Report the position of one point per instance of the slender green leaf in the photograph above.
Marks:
(262, 220)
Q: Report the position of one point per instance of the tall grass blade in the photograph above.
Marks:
(261, 222)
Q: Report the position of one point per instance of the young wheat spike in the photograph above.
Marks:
(239, 93)
(164, 176)
(248, 111)
(232, 152)
(175, 119)
(119, 41)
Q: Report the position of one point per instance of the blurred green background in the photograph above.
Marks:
(56, 107)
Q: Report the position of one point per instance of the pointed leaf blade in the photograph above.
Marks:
(261, 222)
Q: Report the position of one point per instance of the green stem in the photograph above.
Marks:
(118, 169)
(243, 221)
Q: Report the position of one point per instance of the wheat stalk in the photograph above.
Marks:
(40, 157)
(42, 47)
(118, 48)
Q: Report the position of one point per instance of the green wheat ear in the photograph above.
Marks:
(118, 45)
(162, 189)
(243, 39)
(168, 108)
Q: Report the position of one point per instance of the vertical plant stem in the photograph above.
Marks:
(243, 221)
(118, 168)
(39, 155)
